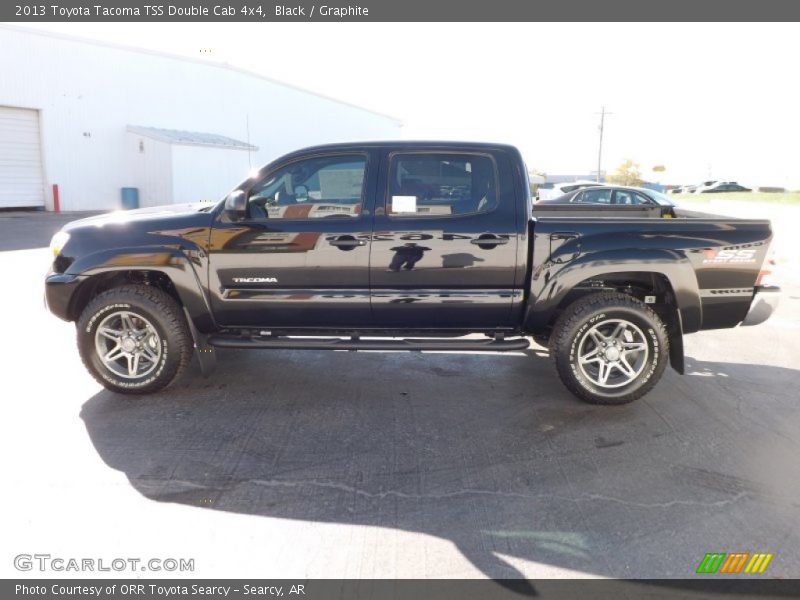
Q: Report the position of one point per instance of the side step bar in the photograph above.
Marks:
(355, 343)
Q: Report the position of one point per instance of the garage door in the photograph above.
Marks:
(21, 180)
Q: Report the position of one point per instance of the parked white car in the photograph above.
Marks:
(700, 187)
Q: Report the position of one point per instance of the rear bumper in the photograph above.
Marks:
(764, 303)
(59, 288)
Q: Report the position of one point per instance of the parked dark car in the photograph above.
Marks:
(633, 199)
(612, 194)
(549, 191)
(724, 186)
(402, 246)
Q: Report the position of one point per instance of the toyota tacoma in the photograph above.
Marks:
(403, 246)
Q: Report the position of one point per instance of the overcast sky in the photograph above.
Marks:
(704, 100)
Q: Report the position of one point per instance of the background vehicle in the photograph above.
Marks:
(724, 186)
(550, 191)
(402, 246)
(703, 186)
(609, 199)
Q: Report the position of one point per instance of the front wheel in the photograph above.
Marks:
(609, 348)
(134, 339)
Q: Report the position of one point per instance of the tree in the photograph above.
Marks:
(627, 173)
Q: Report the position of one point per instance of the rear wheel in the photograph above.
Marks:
(134, 339)
(609, 348)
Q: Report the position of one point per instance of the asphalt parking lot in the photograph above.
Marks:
(366, 465)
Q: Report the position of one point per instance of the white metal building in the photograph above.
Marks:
(93, 118)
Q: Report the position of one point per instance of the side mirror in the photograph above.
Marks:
(236, 205)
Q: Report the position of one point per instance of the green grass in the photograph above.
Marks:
(780, 197)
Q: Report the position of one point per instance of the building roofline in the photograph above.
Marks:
(208, 63)
(181, 137)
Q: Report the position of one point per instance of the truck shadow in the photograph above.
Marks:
(488, 452)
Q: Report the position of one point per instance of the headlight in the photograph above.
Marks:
(58, 241)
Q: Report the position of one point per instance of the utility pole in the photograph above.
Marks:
(603, 114)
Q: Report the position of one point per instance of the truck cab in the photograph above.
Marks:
(374, 236)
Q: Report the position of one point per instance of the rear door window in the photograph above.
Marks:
(595, 196)
(441, 185)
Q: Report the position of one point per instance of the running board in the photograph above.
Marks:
(355, 343)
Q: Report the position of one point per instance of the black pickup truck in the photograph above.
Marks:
(402, 246)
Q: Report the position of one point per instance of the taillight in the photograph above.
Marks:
(765, 274)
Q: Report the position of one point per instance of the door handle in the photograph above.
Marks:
(488, 239)
(347, 242)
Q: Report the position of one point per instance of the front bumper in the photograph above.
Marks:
(59, 289)
(764, 303)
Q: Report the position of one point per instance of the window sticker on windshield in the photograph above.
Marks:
(404, 204)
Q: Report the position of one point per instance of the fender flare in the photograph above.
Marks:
(553, 281)
(179, 265)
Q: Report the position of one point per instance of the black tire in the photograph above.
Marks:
(172, 345)
(576, 329)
